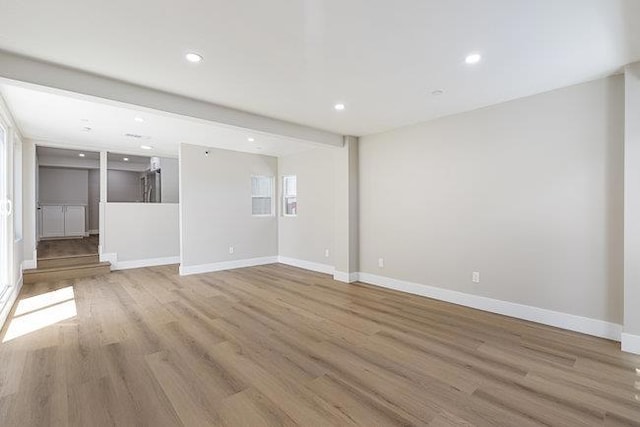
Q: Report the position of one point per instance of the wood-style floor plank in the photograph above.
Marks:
(276, 345)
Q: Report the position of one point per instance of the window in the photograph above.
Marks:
(261, 195)
(4, 214)
(289, 196)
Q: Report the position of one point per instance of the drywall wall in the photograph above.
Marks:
(29, 197)
(528, 193)
(169, 175)
(346, 210)
(123, 186)
(307, 235)
(63, 186)
(215, 206)
(632, 205)
(141, 231)
(94, 201)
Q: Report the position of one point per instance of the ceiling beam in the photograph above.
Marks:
(20, 68)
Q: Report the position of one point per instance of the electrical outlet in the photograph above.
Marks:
(230, 249)
(326, 253)
(475, 277)
(381, 262)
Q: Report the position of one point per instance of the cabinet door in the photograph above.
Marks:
(74, 221)
(52, 221)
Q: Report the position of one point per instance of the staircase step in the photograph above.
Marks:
(54, 274)
(66, 261)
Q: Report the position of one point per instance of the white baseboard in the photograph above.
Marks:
(226, 265)
(585, 325)
(341, 276)
(630, 343)
(7, 304)
(29, 263)
(150, 262)
(112, 257)
(94, 232)
(307, 265)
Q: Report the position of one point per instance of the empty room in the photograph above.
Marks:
(320, 213)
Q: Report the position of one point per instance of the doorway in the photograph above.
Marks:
(68, 198)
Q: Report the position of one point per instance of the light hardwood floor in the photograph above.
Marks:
(55, 248)
(276, 345)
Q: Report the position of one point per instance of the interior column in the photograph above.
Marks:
(103, 202)
(345, 230)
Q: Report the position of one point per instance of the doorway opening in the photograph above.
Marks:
(68, 203)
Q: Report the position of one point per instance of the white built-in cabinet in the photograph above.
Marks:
(63, 221)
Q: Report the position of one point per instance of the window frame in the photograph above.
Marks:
(286, 196)
(271, 196)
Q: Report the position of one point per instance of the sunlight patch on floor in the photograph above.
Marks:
(38, 312)
(44, 300)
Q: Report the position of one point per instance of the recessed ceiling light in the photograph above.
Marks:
(193, 57)
(258, 148)
(437, 92)
(139, 119)
(339, 107)
(250, 139)
(126, 159)
(84, 120)
(146, 147)
(473, 58)
(81, 154)
(86, 129)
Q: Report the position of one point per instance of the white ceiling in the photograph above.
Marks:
(294, 59)
(60, 120)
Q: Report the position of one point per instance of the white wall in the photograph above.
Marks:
(29, 197)
(307, 235)
(528, 193)
(632, 210)
(63, 186)
(142, 231)
(215, 198)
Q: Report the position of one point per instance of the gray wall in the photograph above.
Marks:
(307, 235)
(63, 186)
(123, 186)
(216, 206)
(170, 179)
(528, 193)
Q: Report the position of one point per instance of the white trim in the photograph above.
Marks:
(112, 257)
(307, 265)
(630, 343)
(585, 325)
(28, 264)
(149, 262)
(8, 303)
(341, 276)
(226, 265)
(96, 231)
